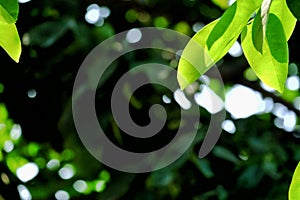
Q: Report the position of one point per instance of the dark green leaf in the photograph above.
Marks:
(225, 154)
(229, 27)
(257, 32)
(294, 6)
(203, 165)
(276, 39)
(271, 72)
(48, 33)
(281, 10)
(9, 10)
(222, 25)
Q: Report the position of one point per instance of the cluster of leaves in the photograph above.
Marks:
(265, 27)
(9, 37)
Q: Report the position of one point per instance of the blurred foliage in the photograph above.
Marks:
(36, 125)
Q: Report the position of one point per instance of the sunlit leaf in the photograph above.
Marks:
(231, 24)
(9, 10)
(294, 6)
(271, 62)
(294, 191)
(3, 113)
(276, 39)
(212, 42)
(10, 41)
(222, 25)
(192, 63)
(272, 72)
(14, 161)
(281, 10)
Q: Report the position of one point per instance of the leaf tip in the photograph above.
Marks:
(181, 81)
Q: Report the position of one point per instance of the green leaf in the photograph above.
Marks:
(203, 165)
(9, 10)
(294, 191)
(294, 6)
(257, 32)
(266, 64)
(10, 41)
(229, 27)
(3, 114)
(192, 62)
(276, 39)
(222, 25)
(270, 64)
(46, 34)
(212, 42)
(226, 154)
(281, 10)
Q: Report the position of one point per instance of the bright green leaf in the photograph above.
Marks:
(266, 67)
(14, 161)
(3, 113)
(294, 6)
(229, 27)
(281, 10)
(212, 42)
(10, 41)
(221, 27)
(192, 63)
(276, 39)
(294, 191)
(271, 65)
(9, 10)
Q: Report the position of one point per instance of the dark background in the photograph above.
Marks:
(60, 39)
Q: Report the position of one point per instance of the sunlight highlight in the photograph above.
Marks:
(236, 50)
(24, 1)
(243, 102)
(293, 83)
(134, 35)
(27, 172)
(24, 192)
(229, 126)
(16, 132)
(209, 100)
(66, 172)
(80, 186)
(181, 99)
(62, 195)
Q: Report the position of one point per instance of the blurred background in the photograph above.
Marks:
(42, 157)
